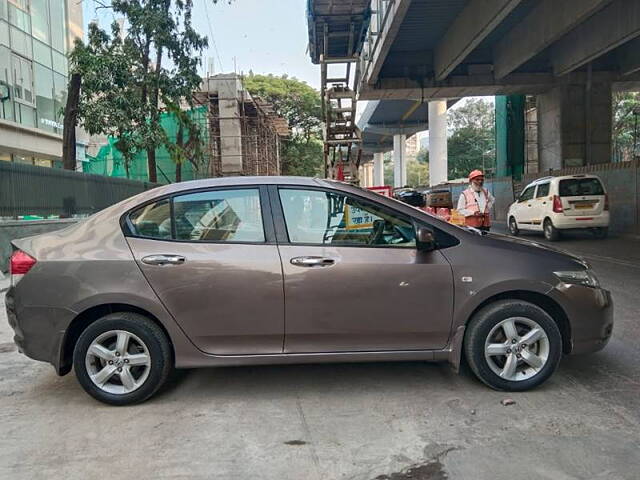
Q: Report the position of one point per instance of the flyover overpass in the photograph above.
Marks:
(570, 53)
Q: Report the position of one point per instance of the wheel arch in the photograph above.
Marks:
(546, 303)
(90, 315)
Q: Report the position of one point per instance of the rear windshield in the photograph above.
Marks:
(575, 187)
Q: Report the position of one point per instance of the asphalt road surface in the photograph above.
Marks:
(352, 421)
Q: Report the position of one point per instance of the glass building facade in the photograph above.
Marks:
(33, 68)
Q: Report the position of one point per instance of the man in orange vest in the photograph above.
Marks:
(475, 203)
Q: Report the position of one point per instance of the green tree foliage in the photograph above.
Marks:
(471, 141)
(129, 79)
(300, 105)
(626, 125)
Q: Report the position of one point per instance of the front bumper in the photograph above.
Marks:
(38, 330)
(590, 314)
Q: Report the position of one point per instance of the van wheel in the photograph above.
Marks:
(512, 345)
(551, 233)
(513, 227)
(122, 358)
(601, 232)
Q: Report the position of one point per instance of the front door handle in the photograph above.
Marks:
(312, 261)
(163, 260)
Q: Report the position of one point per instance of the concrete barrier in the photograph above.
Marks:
(11, 230)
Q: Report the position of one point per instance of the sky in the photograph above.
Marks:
(265, 36)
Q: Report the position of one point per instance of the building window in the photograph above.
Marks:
(22, 79)
(4, 33)
(58, 27)
(40, 20)
(42, 53)
(19, 18)
(44, 98)
(21, 42)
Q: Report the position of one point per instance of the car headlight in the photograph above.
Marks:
(585, 278)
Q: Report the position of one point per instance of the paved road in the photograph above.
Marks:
(371, 421)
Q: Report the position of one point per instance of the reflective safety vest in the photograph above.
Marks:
(471, 205)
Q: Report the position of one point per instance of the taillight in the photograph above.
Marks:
(20, 263)
(606, 202)
(557, 204)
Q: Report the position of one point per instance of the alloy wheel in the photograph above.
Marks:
(517, 348)
(118, 362)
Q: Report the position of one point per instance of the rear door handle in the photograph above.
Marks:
(163, 260)
(312, 261)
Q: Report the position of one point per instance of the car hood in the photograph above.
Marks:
(531, 245)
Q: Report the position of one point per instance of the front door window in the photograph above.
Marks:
(315, 217)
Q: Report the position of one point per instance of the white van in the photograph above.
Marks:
(553, 204)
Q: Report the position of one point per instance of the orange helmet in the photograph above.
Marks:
(475, 174)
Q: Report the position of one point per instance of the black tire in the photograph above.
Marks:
(551, 233)
(147, 331)
(480, 327)
(601, 232)
(513, 227)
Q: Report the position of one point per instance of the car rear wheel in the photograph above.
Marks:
(551, 233)
(513, 227)
(513, 345)
(122, 358)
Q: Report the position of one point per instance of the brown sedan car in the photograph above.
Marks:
(251, 270)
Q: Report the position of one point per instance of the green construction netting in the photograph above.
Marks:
(110, 162)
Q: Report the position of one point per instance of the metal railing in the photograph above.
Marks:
(380, 12)
(31, 192)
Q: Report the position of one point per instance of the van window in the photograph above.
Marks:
(543, 190)
(527, 194)
(575, 187)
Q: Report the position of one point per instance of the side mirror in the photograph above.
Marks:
(425, 240)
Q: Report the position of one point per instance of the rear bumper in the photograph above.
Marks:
(38, 331)
(562, 222)
(590, 313)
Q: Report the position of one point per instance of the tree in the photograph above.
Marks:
(626, 125)
(471, 142)
(128, 81)
(300, 105)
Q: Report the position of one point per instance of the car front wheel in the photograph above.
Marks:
(122, 358)
(513, 227)
(512, 345)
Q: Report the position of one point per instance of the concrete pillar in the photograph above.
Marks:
(438, 166)
(574, 126)
(399, 160)
(228, 87)
(378, 169)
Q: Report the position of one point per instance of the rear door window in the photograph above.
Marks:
(219, 216)
(207, 216)
(152, 221)
(576, 187)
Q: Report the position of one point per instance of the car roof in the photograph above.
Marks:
(242, 181)
(550, 178)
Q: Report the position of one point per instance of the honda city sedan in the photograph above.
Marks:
(269, 270)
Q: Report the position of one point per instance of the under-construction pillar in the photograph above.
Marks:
(229, 87)
(399, 160)
(378, 169)
(438, 166)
